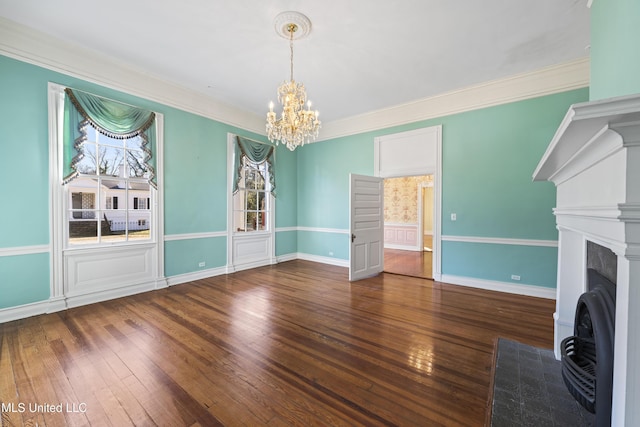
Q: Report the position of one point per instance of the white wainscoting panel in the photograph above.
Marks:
(401, 236)
(252, 250)
(105, 269)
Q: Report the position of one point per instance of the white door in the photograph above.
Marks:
(366, 252)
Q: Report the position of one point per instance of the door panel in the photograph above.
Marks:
(366, 226)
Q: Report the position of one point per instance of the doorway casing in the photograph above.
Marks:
(416, 152)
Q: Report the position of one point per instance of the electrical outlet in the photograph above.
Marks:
(515, 277)
(202, 264)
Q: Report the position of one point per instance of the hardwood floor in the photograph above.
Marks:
(409, 263)
(286, 345)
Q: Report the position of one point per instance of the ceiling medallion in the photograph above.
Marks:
(295, 125)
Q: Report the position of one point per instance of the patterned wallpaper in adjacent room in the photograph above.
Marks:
(401, 199)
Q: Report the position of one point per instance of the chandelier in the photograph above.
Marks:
(296, 125)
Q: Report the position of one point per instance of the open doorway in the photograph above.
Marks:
(409, 225)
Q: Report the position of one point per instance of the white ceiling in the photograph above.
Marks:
(361, 55)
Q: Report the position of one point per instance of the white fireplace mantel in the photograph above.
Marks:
(594, 161)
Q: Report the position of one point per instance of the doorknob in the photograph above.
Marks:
(353, 237)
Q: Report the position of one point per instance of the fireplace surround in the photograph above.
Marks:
(594, 161)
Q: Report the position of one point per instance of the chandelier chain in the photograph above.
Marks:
(292, 29)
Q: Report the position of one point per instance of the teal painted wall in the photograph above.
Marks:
(286, 187)
(195, 174)
(184, 256)
(286, 242)
(195, 180)
(323, 179)
(536, 265)
(615, 57)
(323, 191)
(324, 244)
(24, 279)
(24, 155)
(286, 195)
(488, 157)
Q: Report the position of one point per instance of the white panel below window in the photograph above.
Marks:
(93, 270)
(252, 248)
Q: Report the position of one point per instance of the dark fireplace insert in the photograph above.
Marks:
(587, 357)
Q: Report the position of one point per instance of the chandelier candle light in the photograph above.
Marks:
(296, 125)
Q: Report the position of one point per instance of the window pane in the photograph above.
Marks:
(142, 192)
(139, 224)
(239, 221)
(111, 161)
(83, 231)
(113, 187)
(250, 179)
(113, 227)
(259, 181)
(251, 221)
(250, 202)
(117, 223)
(113, 142)
(262, 221)
(100, 205)
(135, 161)
(135, 143)
(88, 163)
(261, 205)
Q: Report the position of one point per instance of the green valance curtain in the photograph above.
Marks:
(110, 118)
(258, 153)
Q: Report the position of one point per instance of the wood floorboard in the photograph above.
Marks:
(294, 344)
(409, 263)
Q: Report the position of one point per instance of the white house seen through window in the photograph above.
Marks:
(110, 200)
(251, 201)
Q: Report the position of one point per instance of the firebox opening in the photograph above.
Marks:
(587, 357)
(602, 260)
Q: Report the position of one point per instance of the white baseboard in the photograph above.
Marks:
(287, 257)
(109, 294)
(492, 285)
(402, 247)
(249, 265)
(196, 275)
(323, 260)
(53, 305)
(23, 311)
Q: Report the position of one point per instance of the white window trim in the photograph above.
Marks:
(267, 210)
(262, 242)
(58, 216)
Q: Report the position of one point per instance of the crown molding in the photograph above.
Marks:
(546, 81)
(34, 47)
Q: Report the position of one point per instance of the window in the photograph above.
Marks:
(109, 201)
(251, 201)
(140, 203)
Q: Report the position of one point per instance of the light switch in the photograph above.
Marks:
(453, 217)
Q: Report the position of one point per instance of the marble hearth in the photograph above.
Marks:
(594, 161)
